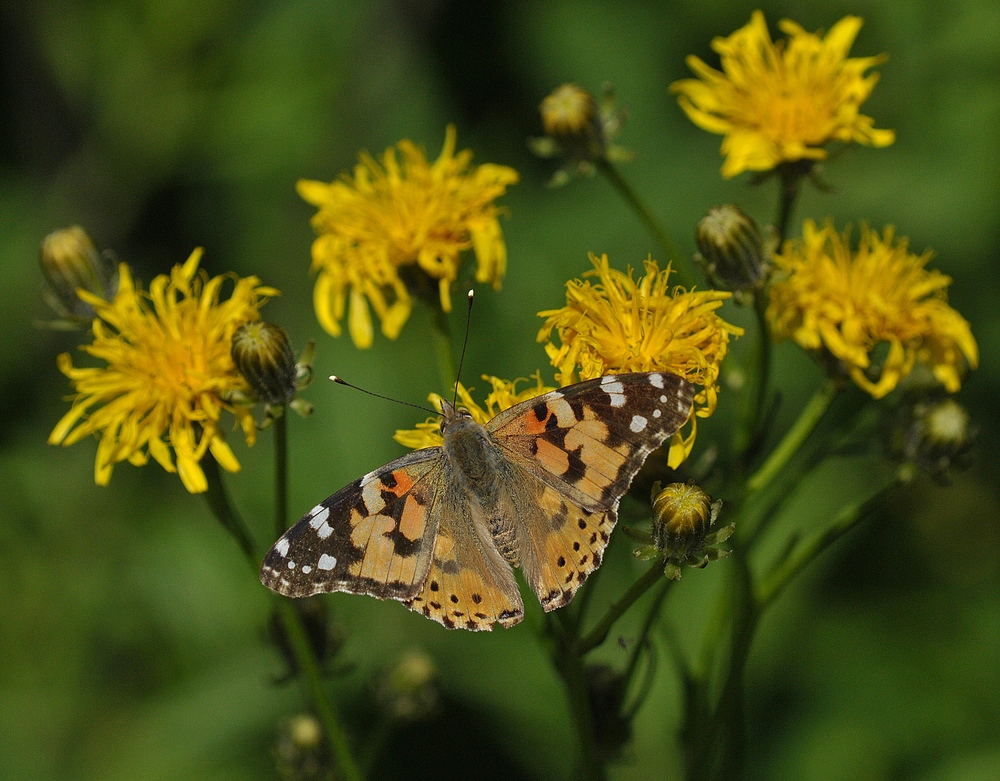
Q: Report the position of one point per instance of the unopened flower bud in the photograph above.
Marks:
(934, 436)
(580, 129)
(683, 516)
(408, 691)
(731, 250)
(263, 355)
(301, 753)
(570, 116)
(70, 262)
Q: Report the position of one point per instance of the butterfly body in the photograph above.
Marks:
(536, 487)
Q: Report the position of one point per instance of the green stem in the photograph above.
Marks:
(647, 625)
(224, 511)
(790, 175)
(747, 439)
(599, 633)
(724, 747)
(797, 434)
(638, 205)
(281, 473)
(347, 768)
(793, 564)
(568, 660)
(443, 349)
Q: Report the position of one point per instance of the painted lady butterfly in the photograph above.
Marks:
(537, 487)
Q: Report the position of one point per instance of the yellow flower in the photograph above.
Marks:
(625, 325)
(503, 395)
(389, 220)
(782, 102)
(848, 303)
(168, 373)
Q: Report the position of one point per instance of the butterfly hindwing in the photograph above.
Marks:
(469, 585)
(374, 536)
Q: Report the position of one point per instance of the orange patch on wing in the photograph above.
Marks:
(403, 482)
(532, 425)
(554, 458)
(413, 520)
(403, 569)
(379, 549)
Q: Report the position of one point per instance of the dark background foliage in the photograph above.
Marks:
(130, 628)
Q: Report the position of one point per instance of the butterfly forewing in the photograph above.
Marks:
(588, 440)
(374, 536)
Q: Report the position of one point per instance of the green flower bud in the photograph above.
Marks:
(70, 262)
(683, 516)
(731, 250)
(263, 355)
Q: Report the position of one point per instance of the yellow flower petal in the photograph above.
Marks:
(167, 372)
(850, 302)
(785, 101)
(402, 211)
(621, 324)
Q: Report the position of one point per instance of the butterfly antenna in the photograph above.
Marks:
(342, 381)
(465, 343)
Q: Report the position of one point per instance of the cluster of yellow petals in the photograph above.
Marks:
(404, 212)
(782, 102)
(503, 396)
(825, 296)
(620, 324)
(168, 373)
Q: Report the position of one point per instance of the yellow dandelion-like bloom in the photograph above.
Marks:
(621, 324)
(168, 373)
(825, 296)
(782, 102)
(503, 395)
(391, 219)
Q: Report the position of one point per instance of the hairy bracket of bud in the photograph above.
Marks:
(683, 516)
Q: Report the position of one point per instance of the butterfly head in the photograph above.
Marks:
(451, 414)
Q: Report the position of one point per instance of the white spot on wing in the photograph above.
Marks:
(291, 565)
(319, 515)
(614, 389)
(656, 380)
(306, 569)
(663, 399)
(324, 531)
(326, 562)
(282, 547)
(656, 413)
(638, 423)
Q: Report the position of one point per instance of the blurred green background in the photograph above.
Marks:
(131, 631)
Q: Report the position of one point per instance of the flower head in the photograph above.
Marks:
(399, 225)
(167, 376)
(782, 102)
(849, 303)
(503, 396)
(621, 324)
